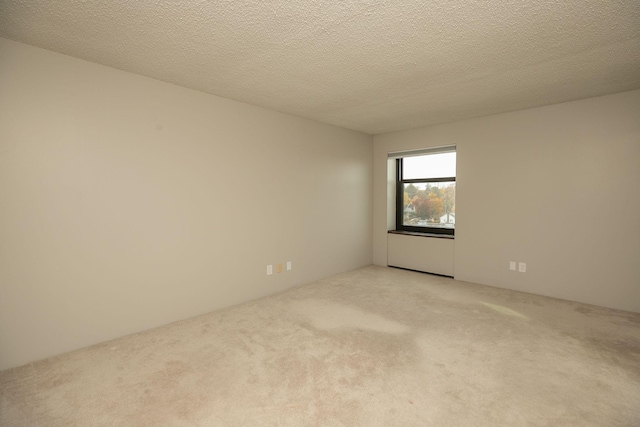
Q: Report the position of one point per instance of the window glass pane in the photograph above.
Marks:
(441, 165)
(430, 204)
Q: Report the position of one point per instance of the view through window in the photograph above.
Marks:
(426, 193)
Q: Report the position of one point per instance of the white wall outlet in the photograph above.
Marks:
(522, 267)
(512, 265)
(289, 266)
(269, 270)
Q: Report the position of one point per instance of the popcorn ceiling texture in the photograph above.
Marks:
(373, 66)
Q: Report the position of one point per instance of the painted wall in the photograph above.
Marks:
(540, 186)
(421, 253)
(127, 203)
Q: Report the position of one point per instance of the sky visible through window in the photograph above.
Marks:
(430, 166)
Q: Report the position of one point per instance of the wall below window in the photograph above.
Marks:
(421, 253)
(555, 187)
(128, 203)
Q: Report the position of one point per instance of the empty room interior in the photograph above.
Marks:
(323, 213)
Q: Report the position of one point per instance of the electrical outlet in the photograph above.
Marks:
(512, 265)
(522, 267)
(279, 268)
(289, 266)
(269, 270)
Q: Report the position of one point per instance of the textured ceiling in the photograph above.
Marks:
(373, 66)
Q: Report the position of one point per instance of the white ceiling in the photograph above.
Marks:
(373, 66)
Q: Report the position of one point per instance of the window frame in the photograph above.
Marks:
(400, 202)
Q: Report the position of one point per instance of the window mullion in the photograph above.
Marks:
(423, 180)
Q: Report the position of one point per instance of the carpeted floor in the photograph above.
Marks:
(372, 347)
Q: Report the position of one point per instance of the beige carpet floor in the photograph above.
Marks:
(372, 347)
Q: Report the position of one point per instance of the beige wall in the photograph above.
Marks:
(557, 187)
(128, 203)
(421, 253)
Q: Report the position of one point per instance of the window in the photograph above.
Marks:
(426, 191)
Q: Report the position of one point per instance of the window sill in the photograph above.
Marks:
(412, 233)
